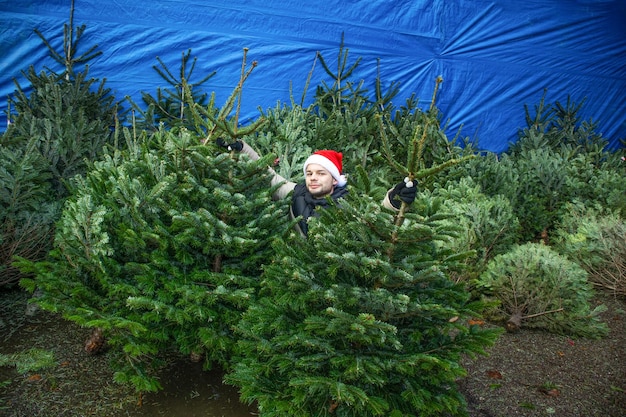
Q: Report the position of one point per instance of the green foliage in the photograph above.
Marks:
(185, 106)
(594, 238)
(557, 159)
(487, 225)
(170, 106)
(29, 361)
(558, 127)
(161, 247)
(67, 118)
(27, 215)
(353, 322)
(166, 245)
(68, 58)
(599, 183)
(538, 288)
(361, 318)
(496, 174)
(345, 113)
(286, 135)
(540, 192)
(66, 122)
(54, 134)
(367, 130)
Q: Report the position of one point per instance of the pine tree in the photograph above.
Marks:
(360, 319)
(58, 126)
(68, 117)
(160, 248)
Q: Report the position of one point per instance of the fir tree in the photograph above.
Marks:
(161, 244)
(353, 323)
(161, 249)
(346, 114)
(170, 106)
(68, 117)
(360, 319)
(58, 126)
(27, 215)
(539, 288)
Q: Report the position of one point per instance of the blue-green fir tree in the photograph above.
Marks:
(160, 247)
(360, 318)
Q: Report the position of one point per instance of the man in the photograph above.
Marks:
(323, 178)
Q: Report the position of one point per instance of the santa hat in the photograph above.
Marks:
(330, 161)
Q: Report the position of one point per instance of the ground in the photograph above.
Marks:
(526, 374)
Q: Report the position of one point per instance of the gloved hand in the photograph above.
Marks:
(233, 146)
(404, 191)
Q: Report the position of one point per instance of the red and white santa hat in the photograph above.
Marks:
(330, 161)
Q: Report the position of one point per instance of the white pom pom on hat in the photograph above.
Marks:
(330, 161)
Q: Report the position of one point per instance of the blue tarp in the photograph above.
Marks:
(495, 56)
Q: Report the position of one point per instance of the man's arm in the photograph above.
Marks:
(286, 186)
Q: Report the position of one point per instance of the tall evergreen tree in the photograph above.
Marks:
(68, 117)
(351, 323)
(361, 319)
(160, 248)
(59, 124)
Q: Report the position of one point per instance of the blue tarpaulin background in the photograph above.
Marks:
(495, 56)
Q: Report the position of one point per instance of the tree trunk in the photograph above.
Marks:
(515, 322)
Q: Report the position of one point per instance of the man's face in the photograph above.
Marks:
(318, 181)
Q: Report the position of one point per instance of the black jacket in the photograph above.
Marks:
(305, 205)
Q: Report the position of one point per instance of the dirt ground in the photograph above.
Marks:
(528, 374)
(532, 373)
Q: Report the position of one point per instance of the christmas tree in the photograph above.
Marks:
(353, 324)
(57, 125)
(360, 319)
(161, 244)
(161, 250)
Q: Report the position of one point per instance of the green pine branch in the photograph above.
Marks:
(71, 39)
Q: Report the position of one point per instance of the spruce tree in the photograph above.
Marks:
(361, 318)
(160, 248)
(68, 117)
(57, 126)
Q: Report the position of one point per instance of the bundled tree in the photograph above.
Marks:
(538, 288)
(360, 319)
(594, 238)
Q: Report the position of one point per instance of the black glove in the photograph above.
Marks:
(404, 191)
(234, 146)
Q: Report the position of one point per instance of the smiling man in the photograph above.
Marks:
(323, 178)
